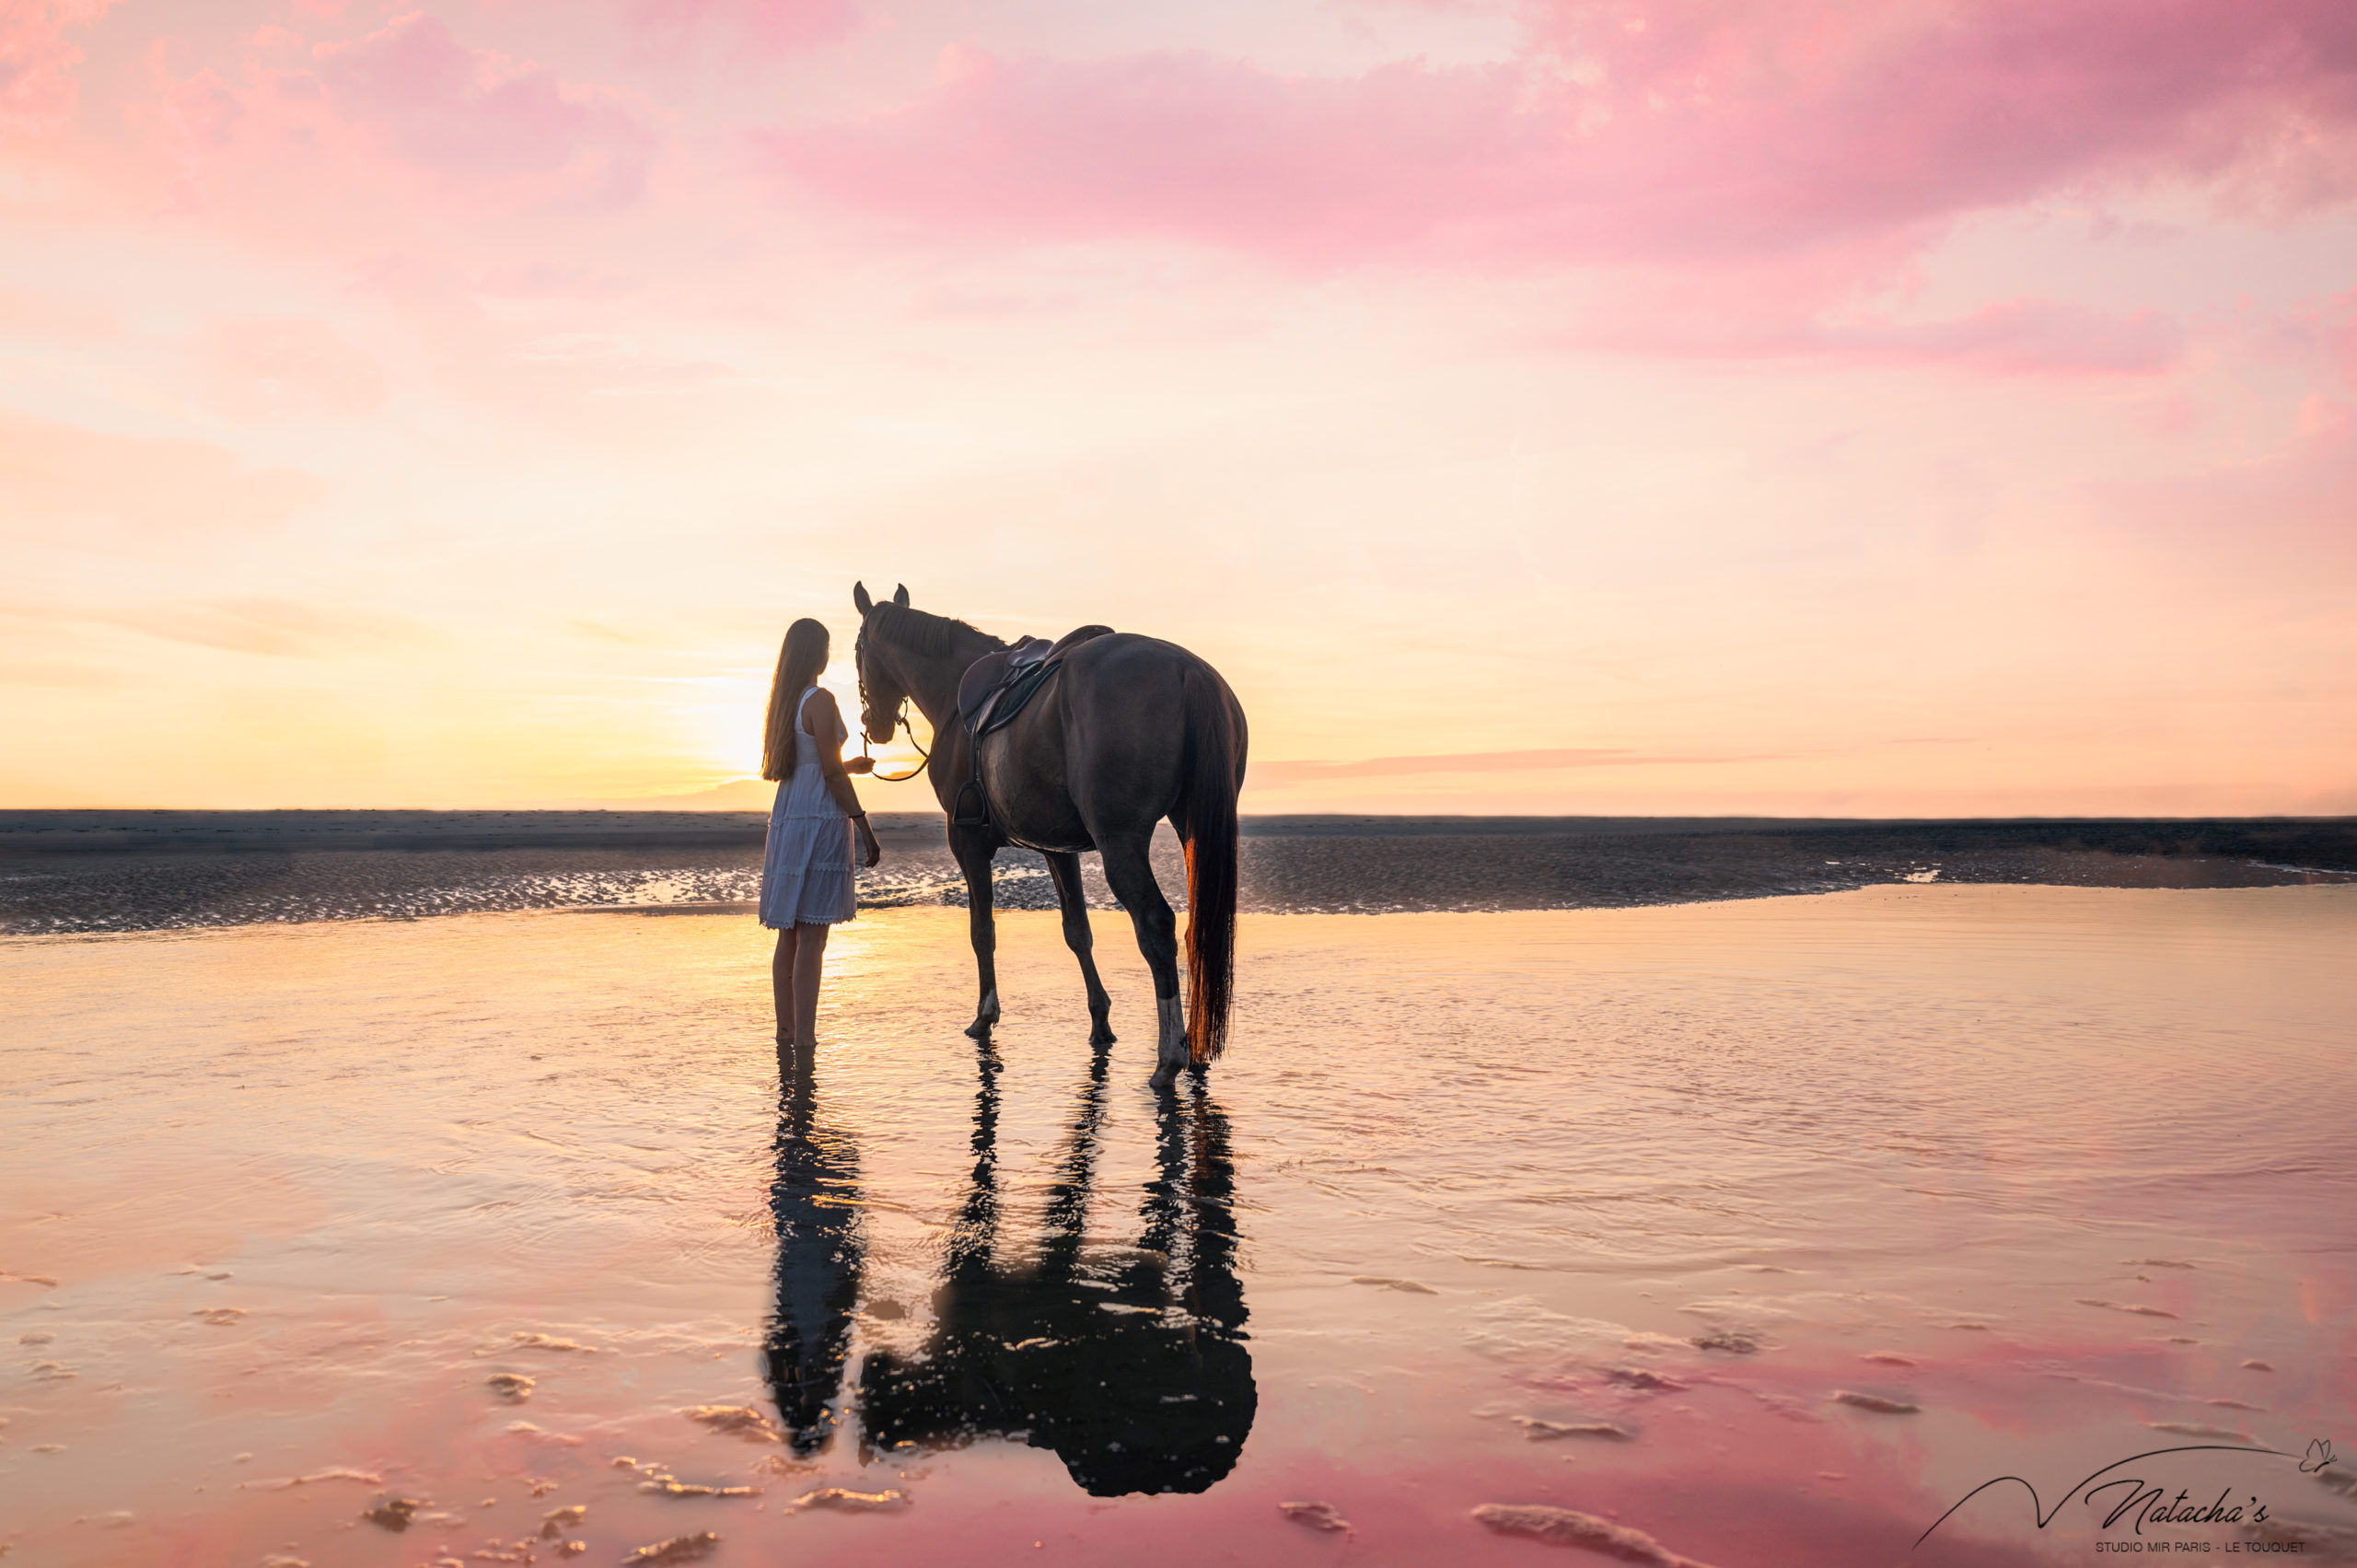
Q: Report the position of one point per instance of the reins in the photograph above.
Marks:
(899, 721)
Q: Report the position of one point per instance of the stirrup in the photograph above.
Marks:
(981, 816)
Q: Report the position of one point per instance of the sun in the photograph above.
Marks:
(720, 725)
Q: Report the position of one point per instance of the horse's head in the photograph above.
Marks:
(882, 689)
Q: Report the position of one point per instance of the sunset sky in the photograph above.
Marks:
(1844, 407)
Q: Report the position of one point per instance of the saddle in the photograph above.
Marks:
(994, 688)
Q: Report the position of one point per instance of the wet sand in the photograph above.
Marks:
(1767, 1229)
(92, 871)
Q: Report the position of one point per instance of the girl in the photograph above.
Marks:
(806, 864)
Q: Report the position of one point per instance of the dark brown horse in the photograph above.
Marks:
(1130, 731)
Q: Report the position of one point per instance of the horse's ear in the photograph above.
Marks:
(900, 596)
(859, 598)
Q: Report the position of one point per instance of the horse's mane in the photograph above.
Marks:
(921, 633)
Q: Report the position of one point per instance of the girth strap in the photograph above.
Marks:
(994, 688)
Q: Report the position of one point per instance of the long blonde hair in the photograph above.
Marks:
(799, 661)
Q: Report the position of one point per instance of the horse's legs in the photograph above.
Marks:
(1065, 871)
(975, 860)
(1130, 876)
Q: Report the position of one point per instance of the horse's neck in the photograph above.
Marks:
(933, 682)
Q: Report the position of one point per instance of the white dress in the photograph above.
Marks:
(806, 865)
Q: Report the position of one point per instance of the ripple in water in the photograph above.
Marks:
(1757, 1231)
(1370, 869)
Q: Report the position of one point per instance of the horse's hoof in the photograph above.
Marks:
(1102, 1035)
(980, 1028)
(1164, 1076)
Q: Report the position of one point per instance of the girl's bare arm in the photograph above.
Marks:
(820, 711)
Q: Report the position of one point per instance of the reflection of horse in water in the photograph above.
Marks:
(1128, 1363)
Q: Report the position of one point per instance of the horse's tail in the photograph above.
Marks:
(1215, 756)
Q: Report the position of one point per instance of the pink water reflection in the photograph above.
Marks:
(1468, 1190)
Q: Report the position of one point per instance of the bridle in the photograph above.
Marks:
(900, 719)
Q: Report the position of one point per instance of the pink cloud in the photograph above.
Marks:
(193, 116)
(2319, 337)
(2013, 337)
(45, 313)
(266, 365)
(471, 115)
(2283, 521)
(273, 627)
(59, 480)
(2343, 338)
(1685, 131)
(770, 27)
(38, 86)
(405, 100)
(2028, 336)
(1185, 146)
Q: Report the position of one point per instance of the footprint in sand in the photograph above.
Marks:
(1317, 1516)
(1874, 1402)
(2122, 1306)
(1566, 1526)
(1547, 1431)
(2195, 1429)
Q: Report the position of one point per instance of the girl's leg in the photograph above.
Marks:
(782, 984)
(809, 951)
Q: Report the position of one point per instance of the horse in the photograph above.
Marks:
(1129, 731)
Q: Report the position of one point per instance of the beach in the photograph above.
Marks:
(1769, 1228)
(102, 871)
(1712, 645)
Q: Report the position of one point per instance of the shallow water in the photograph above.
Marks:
(405, 866)
(1605, 1211)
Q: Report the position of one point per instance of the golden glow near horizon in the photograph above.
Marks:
(451, 407)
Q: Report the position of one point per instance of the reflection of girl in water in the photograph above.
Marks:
(820, 1248)
(806, 865)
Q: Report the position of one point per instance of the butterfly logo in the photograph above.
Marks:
(2320, 1456)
